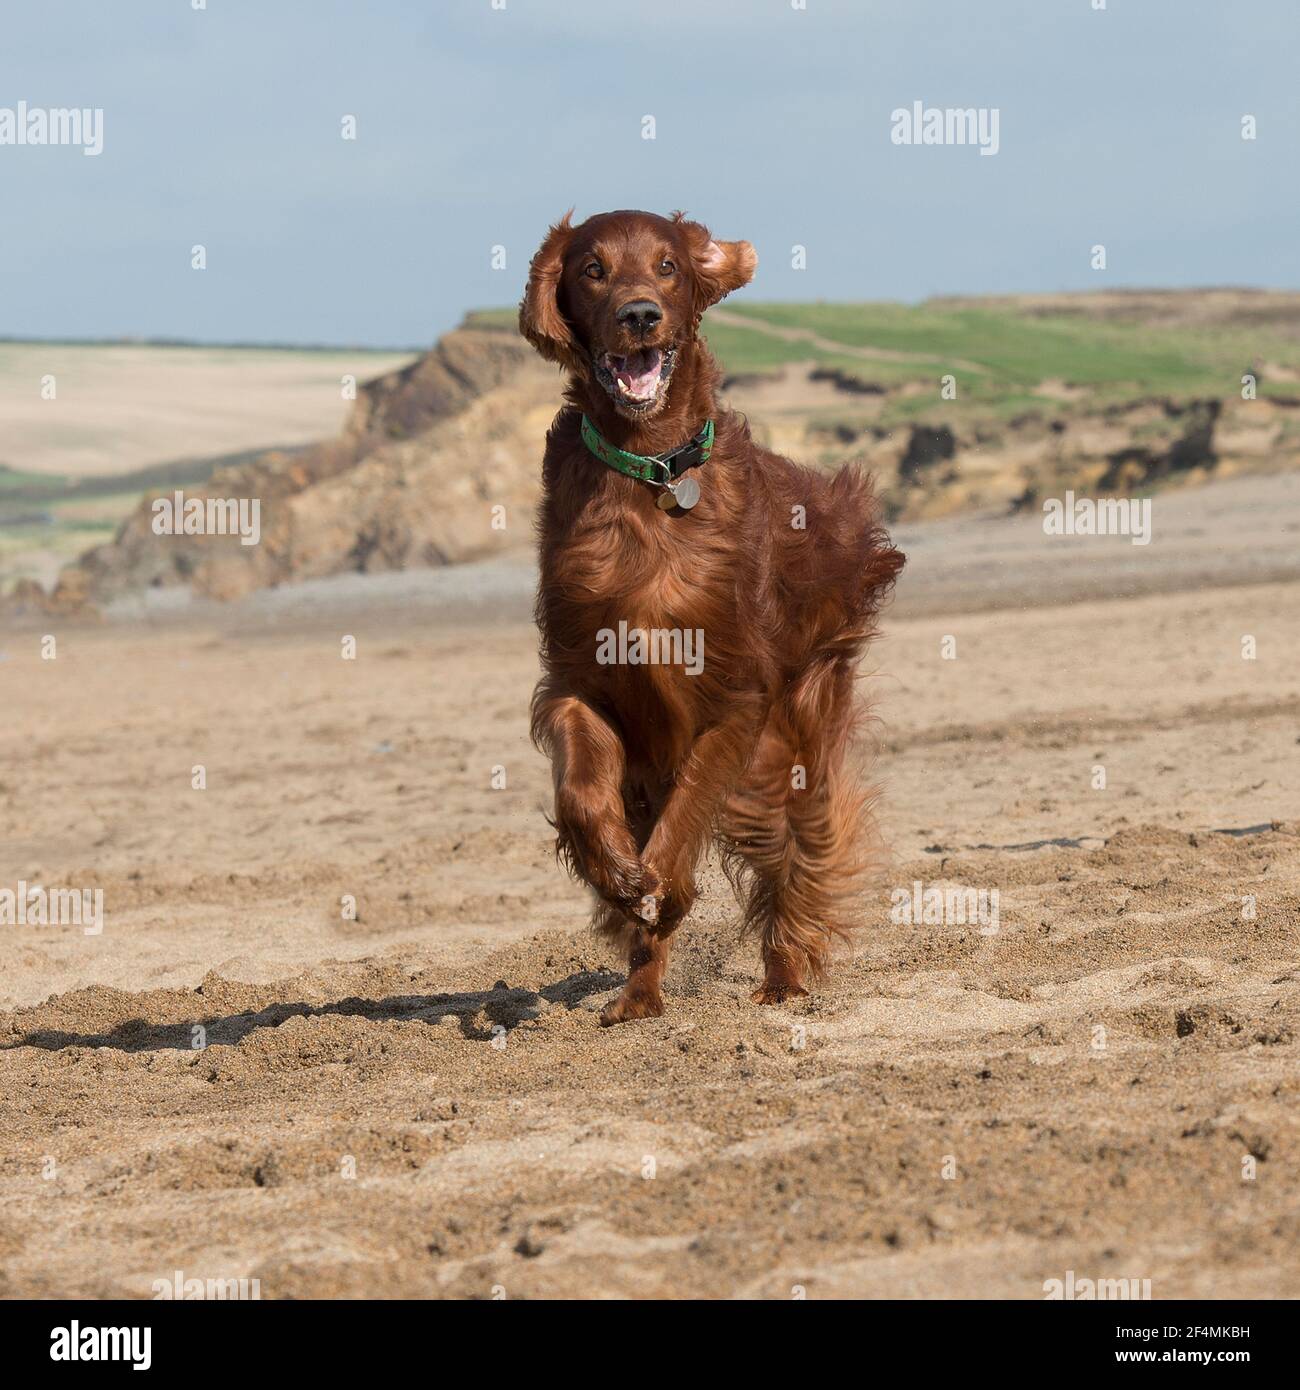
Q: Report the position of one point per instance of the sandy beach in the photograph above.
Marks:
(237, 1079)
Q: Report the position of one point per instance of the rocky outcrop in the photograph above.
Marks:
(926, 446)
(1138, 466)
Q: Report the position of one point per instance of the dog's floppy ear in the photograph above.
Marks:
(540, 319)
(719, 266)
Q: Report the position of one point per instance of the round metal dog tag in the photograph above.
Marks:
(666, 501)
(687, 493)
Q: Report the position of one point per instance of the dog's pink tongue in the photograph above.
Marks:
(638, 377)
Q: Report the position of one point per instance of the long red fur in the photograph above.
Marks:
(783, 569)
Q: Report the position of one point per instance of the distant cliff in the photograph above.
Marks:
(412, 479)
(956, 405)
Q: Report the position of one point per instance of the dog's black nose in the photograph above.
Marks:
(640, 315)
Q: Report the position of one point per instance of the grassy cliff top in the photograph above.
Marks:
(1106, 346)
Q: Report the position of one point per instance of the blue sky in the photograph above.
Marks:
(477, 126)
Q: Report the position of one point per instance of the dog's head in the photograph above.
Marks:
(616, 298)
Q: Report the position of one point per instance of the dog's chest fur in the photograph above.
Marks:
(617, 566)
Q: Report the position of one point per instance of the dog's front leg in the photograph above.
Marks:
(690, 813)
(588, 763)
(685, 823)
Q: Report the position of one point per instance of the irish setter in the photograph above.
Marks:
(698, 641)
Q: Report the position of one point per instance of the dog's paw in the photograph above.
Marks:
(776, 993)
(628, 1008)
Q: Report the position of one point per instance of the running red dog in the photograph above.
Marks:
(703, 604)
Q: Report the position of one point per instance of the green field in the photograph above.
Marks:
(1000, 352)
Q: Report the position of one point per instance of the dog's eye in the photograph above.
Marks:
(594, 271)
(666, 267)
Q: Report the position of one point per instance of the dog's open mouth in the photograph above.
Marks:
(635, 381)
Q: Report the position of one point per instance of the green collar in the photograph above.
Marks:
(650, 468)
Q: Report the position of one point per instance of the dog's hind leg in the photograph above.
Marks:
(796, 833)
(812, 905)
(760, 857)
